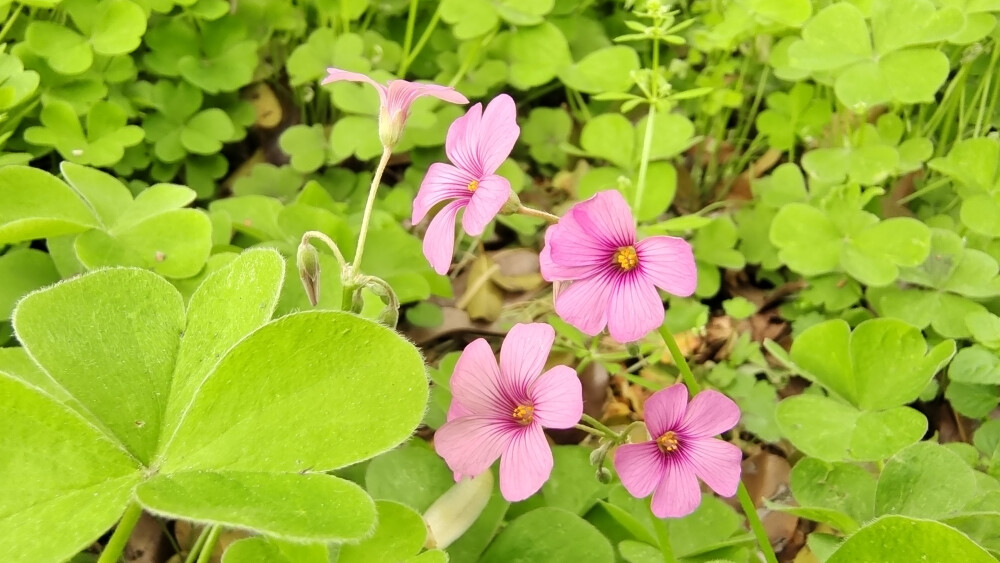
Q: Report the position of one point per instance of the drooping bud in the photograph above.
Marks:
(390, 126)
(512, 205)
(457, 509)
(307, 259)
(603, 475)
(390, 314)
(357, 301)
(633, 349)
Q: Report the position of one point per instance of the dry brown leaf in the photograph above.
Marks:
(266, 105)
(482, 299)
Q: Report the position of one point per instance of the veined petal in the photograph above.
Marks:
(526, 464)
(523, 355)
(640, 467)
(669, 263)
(497, 133)
(574, 245)
(584, 304)
(460, 144)
(442, 182)
(558, 398)
(677, 494)
(635, 308)
(489, 197)
(476, 382)
(335, 74)
(717, 463)
(470, 444)
(439, 240)
(552, 271)
(608, 217)
(708, 414)
(402, 93)
(665, 409)
(456, 410)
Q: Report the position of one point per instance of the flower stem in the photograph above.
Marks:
(411, 22)
(196, 548)
(590, 430)
(209, 546)
(647, 147)
(538, 213)
(424, 37)
(329, 243)
(598, 425)
(355, 265)
(116, 545)
(662, 536)
(744, 496)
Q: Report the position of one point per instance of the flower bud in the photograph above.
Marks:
(457, 509)
(633, 349)
(603, 475)
(390, 127)
(512, 204)
(357, 301)
(307, 259)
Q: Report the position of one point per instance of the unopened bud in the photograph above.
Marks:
(357, 301)
(633, 349)
(389, 316)
(390, 127)
(457, 509)
(512, 205)
(597, 455)
(603, 475)
(307, 260)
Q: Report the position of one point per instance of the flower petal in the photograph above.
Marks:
(476, 381)
(640, 467)
(526, 464)
(470, 444)
(677, 494)
(335, 75)
(665, 409)
(442, 182)
(439, 240)
(497, 133)
(575, 245)
(708, 414)
(523, 355)
(558, 398)
(486, 202)
(584, 304)
(635, 308)
(608, 217)
(402, 93)
(460, 144)
(669, 263)
(552, 271)
(717, 463)
(456, 410)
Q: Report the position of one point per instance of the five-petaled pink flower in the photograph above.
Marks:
(500, 412)
(477, 143)
(614, 277)
(396, 96)
(682, 449)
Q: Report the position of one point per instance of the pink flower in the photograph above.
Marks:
(500, 412)
(477, 143)
(396, 97)
(614, 276)
(682, 450)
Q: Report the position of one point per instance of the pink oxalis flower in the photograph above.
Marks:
(396, 97)
(614, 276)
(477, 144)
(683, 448)
(499, 412)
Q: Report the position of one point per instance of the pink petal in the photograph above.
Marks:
(470, 444)
(558, 398)
(608, 217)
(439, 240)
(635, 308)
(335, 74)
(460, 144)
(523, 355)
(526, 464)
(402, 93)
(665, 409)
(552, 271)
(584, 304)
(442, 182)
(476, 381)
(677, 494)
(640, 467)
(456, 410)
(575, 248)
(669, 263)
(486, 202)
(717, 463)
(708, 414)
(497, 133)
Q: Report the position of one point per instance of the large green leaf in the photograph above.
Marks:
(899, 539)
(925, 480)
(110, 339)
(59, 473)
(272, 550)
(21, 271)
(400, 534)
(35, 204)
(304, 507)
(413, 475)
(549, 534)
(302, 393)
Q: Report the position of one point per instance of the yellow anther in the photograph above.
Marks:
(626, 258)
(523, 414)
(473, 185)
(668, 443)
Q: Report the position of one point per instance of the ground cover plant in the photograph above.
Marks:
(499, 280)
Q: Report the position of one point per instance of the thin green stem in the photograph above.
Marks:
(116, 545)
(329, 243)
(537, 213)
(589, 430)
(985, 85)
(411, 22)
(662, 536)
(355, 267)
(682, 365)
(196, 548)
(597, 424)
(424, 38)
(647, 147)
(924, 190)
(10, 21)
(206, 550)
(470, 57)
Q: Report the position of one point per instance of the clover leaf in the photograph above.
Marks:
(473, 18)
(306, 145)
(606, 70)
(225, 60)
(104, 142)
(16, 84)
(793, 115)
(145, 386)
(326, 48)
(527, 69)
(974, 167)
(544, 132)
(178, 128)
(109, 27)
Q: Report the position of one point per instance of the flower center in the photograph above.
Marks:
(523, 414)
(626, 258)
(473, 185)
(668, 443)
